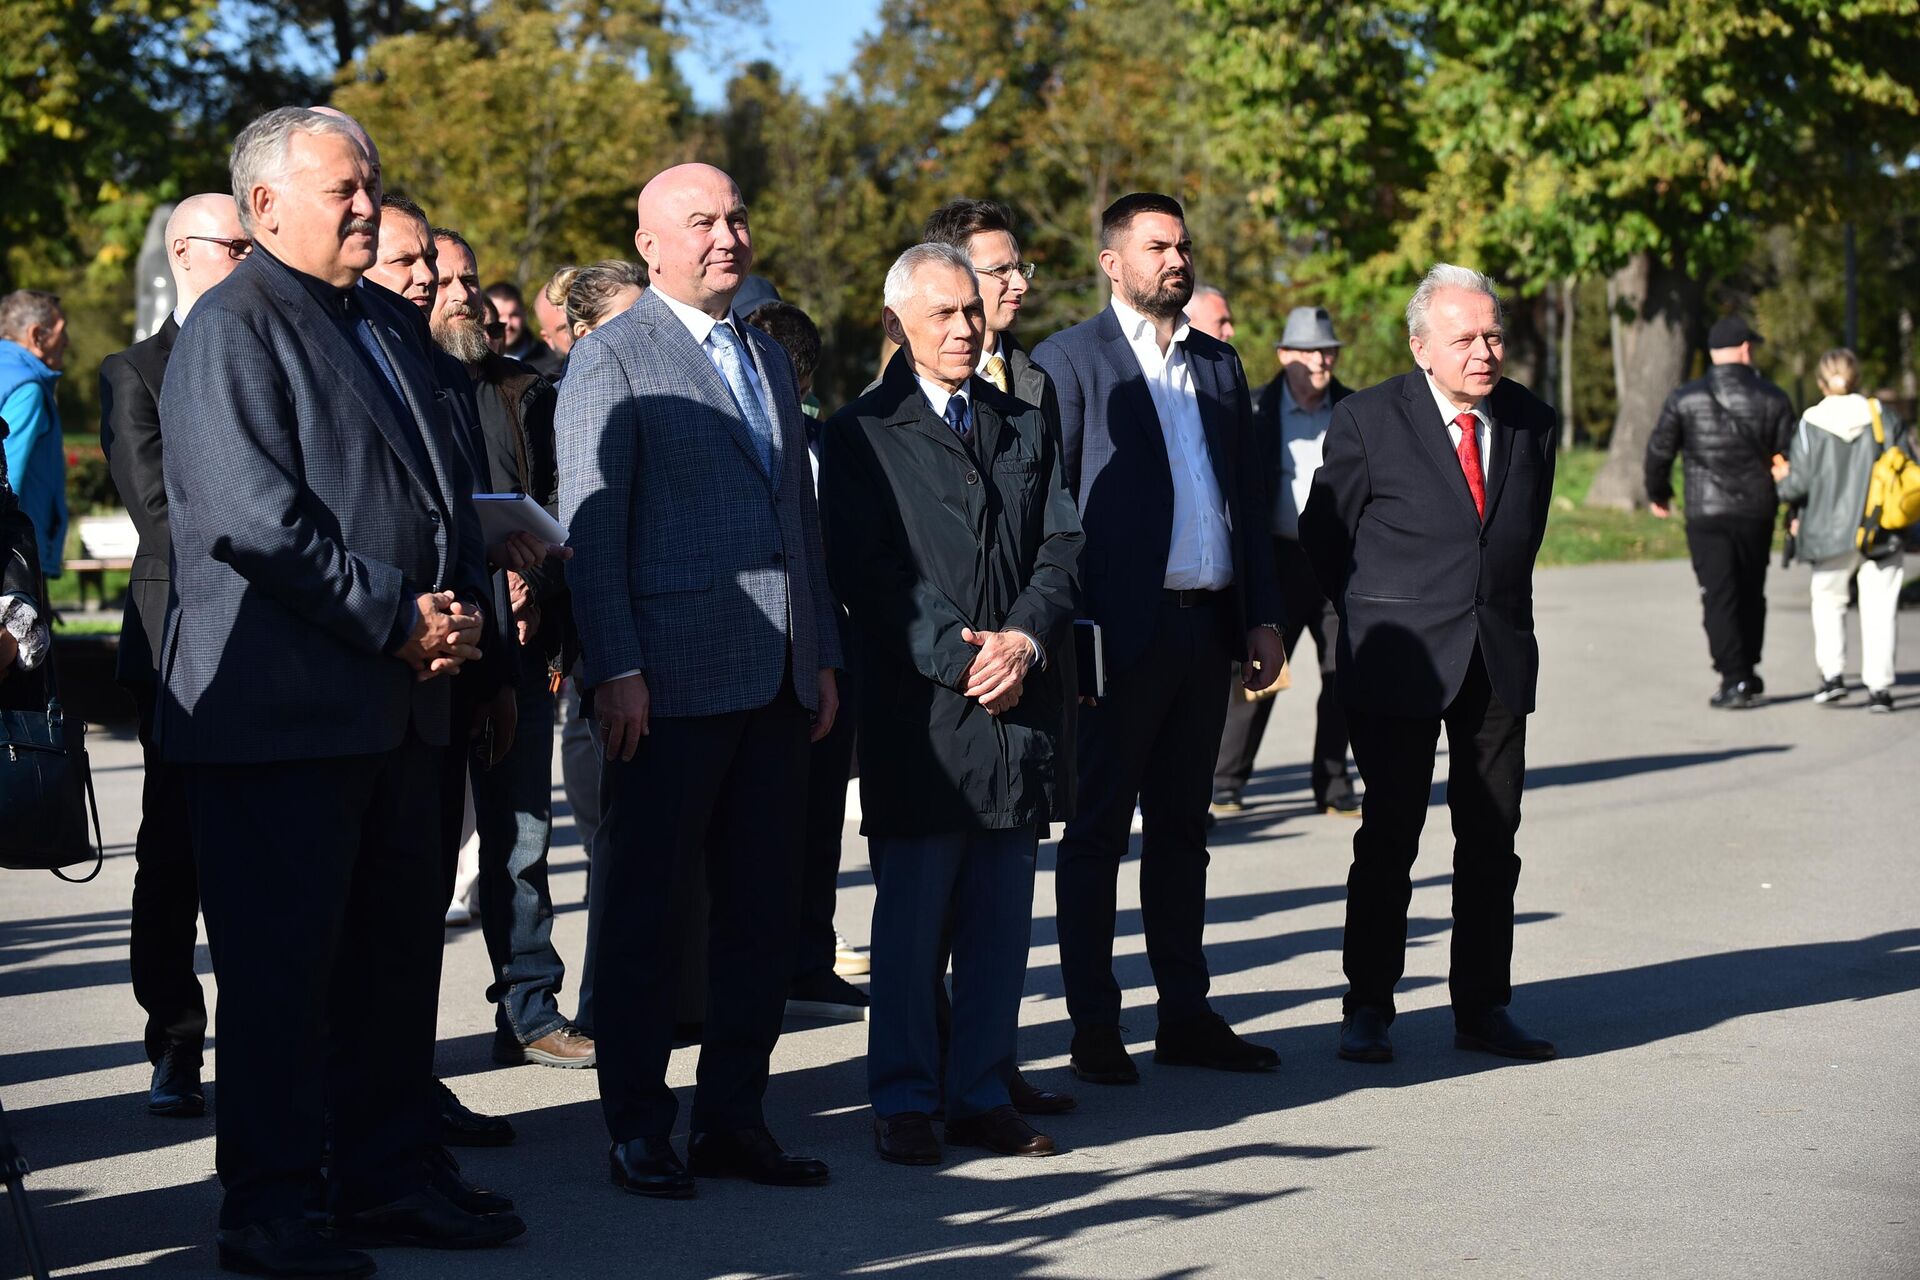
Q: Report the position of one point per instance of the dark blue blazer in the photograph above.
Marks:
(1117, 469)
(303, 524)
(1417, 576)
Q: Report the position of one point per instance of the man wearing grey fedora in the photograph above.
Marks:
(1290, 420)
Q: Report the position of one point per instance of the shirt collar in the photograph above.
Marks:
(698, 322)
(988, 350)
(1139, 329)
(1449, 410)
(937, 395)
(332, 300)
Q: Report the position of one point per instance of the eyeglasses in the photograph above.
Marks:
(496, 329)
(1005, 272)
(236, 249)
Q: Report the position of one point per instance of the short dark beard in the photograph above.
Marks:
(1152, 299)
(461, 337)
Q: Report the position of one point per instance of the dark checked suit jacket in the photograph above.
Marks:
(305, 517)
(692, 563)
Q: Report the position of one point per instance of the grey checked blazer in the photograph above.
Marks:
(302, 528)
(691, 563)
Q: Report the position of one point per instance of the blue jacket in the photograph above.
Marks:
(35, 459)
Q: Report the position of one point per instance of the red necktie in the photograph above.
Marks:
(1469, 451)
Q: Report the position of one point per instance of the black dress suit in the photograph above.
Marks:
(1436, 606)
(166, 890)
(314, 490)
(1153, 737)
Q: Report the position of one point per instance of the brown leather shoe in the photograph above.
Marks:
(1031, 1101)
(1000, 1130)
(906, 1138)
(568, 1047)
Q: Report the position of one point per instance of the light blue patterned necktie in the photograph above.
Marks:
(732, 358)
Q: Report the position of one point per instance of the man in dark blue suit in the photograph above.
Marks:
(327, 579)
(1156, 424)
(1422, 526)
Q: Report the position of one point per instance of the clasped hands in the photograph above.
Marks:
(999, 671)
(445, 636)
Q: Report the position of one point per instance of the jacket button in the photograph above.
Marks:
(1479, 600)
(973, 477)
(1483, 542)
(434, 516)
(778, 558)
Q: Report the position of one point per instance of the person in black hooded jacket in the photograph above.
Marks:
(1726, 428)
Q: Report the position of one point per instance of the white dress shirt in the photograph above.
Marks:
(1483, 436)
(1303, 439)
(700, 325)
(1199, 556)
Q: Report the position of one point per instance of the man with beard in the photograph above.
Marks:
(1157, 427)
(513, 803)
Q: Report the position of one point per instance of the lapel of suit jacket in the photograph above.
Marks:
(1502, 440)
(1423, 416)
(1136, 406)
(912, 411)
(674, 343)
(1213, 393)
(349, 365)
(417, 390)
(168, 335)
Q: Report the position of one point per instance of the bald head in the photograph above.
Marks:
(202, 237)
(693, 235)
(366, 144)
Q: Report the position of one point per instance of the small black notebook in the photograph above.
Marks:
(1091, 658)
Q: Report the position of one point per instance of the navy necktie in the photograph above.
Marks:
(957, 416)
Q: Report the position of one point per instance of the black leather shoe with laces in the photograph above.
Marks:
(175, 1090)
(1208, 1041)
(288, 1247)
(1099, 1056)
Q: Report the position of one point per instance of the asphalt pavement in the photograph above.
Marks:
(1719, 922)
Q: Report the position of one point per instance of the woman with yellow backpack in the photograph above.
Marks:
(1851, 465)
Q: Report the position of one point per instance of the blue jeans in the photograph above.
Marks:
(982, 881)
(513, 809)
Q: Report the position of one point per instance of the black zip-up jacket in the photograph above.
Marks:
(1725, 427)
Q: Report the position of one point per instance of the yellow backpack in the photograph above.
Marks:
(1893, 491)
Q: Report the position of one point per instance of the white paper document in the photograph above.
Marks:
(505, 513)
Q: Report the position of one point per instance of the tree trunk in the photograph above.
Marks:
(1569, 298)
(1652, 306)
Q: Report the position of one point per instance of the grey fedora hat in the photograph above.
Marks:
(1309, 329)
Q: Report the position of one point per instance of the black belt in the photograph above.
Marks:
(1190, 597)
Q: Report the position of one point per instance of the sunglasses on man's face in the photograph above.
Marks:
(236, 249)
(497, 329)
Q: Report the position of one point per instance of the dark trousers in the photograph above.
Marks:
(513, 813)
(321, 882)
(827, 775)
(1730, 562)
(1309, 612)
(1486, 769)
(1152, 740)
(731, 788)
(166, 906)
(983, 882)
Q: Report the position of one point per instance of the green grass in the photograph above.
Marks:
(1579, 534)
(91, 625)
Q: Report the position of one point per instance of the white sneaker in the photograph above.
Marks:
(459, 915)
(848, 960)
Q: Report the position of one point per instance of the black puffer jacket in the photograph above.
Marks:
(1725, 427)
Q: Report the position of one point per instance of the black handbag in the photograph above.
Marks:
(46, 789)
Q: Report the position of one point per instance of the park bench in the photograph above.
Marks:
(106, 542)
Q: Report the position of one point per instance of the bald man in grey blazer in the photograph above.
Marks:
(709, 642)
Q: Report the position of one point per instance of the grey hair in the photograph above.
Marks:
(900, 275)
(1207, 291)
(260, 152)
(24, 310)
(1444, 275)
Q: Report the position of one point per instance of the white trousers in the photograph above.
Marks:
(1879, 615)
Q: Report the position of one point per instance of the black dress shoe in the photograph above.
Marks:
(175, 1090)
(460, 1127)
(650, 1167)
(425, 1220)
(1031, 1101)
(906, 1138)
(443, 1175)
(1000, 1130)
(1341, 800)
(1209, 1042)
(288, 1247)
(754, 1155)
(1495, 1031)
(1099, 1056)
(1363, 1036)
(1735, 696)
